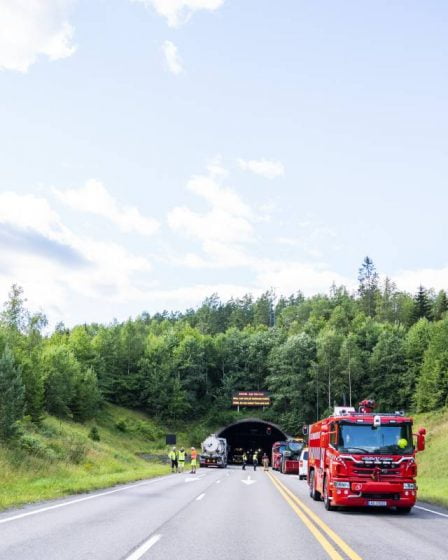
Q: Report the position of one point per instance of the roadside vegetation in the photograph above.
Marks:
(60, 457)
(432, 472)
(181, 369)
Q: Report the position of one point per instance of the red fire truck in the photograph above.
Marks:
(364, 458)
(285, 456)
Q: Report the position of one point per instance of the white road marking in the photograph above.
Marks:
(248, 481)
(195, 478)
(199, 498)
(144, 547)
(78, 500)
(432, 511)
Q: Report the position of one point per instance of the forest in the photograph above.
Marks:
(310, 353)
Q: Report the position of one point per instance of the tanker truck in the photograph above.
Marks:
(214, 452)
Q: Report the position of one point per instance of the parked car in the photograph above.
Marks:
(303, 464)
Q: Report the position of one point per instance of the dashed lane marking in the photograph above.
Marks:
(144, 547)
(200, 497)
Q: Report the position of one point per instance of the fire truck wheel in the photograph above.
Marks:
(404, 510)
(313, 492)
(326, 497)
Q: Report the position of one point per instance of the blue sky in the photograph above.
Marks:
(153, 152)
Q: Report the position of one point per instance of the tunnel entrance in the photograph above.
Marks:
(251, 435)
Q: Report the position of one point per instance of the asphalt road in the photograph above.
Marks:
(217, 514)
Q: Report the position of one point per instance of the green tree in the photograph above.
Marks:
(387, 368)
(415, 345)
(368, 287)
(12, 395)
(432, 385)
(328, 363)
(352, 370)
(15, 315)
(86, 398)
(422, 305)
(440, 306)
(291, 381)
(60, 369)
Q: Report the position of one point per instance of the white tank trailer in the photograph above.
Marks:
(214, 452)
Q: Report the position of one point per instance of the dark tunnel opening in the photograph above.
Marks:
(251, 435)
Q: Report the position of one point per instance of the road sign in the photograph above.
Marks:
(170, 439)
(251, 398)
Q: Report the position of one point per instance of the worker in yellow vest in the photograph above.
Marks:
(244, 461)
(255, 460)
(172, 455)
(181, 459)
(194, 460)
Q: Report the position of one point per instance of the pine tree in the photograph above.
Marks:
(368, 286)
(422, 305)
(12, 395)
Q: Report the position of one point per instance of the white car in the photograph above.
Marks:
(303, 464)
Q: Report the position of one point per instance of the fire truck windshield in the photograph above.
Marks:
(385, 439)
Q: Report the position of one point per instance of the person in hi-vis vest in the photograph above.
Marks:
(181, 459)
(172, 455)
(194, 460)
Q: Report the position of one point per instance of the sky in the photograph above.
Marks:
(154, 152)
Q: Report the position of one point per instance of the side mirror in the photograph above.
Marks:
(305, 430)
(421, 439)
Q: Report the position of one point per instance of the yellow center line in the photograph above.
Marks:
(318, 521)
(325, 543)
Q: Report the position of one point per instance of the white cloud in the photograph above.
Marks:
(222, 230)
(94, 198)
(55, 264)
(410, 280)
(178, 12)
(172, 58)
(264, 167)
(289, 277)
(29, 28)
(32, 213)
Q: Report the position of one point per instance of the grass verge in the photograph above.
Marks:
(59, 458)
(432, 463)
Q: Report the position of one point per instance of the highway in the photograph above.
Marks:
(220, 515)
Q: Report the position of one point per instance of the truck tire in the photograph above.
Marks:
(313, 492)
(404, 510)
(326, 497)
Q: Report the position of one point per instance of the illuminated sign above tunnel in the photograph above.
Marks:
(251, 398)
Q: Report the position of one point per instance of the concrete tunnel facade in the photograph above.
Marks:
(251, 434)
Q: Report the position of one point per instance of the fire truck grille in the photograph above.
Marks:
(380, 496)
(369, 472)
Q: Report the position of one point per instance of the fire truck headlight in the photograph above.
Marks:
(408, 486)
(339, 484)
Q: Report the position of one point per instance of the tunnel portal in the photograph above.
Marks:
(250, 435)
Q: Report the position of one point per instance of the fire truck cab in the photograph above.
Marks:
(364, 459)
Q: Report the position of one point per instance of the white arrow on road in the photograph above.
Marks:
(248, 481)
(195, 479)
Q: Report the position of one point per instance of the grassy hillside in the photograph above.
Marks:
(59, 458)
(432, 463)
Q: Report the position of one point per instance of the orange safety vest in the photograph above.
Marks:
(194, 455)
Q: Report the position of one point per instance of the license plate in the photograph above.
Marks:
(377, 503)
